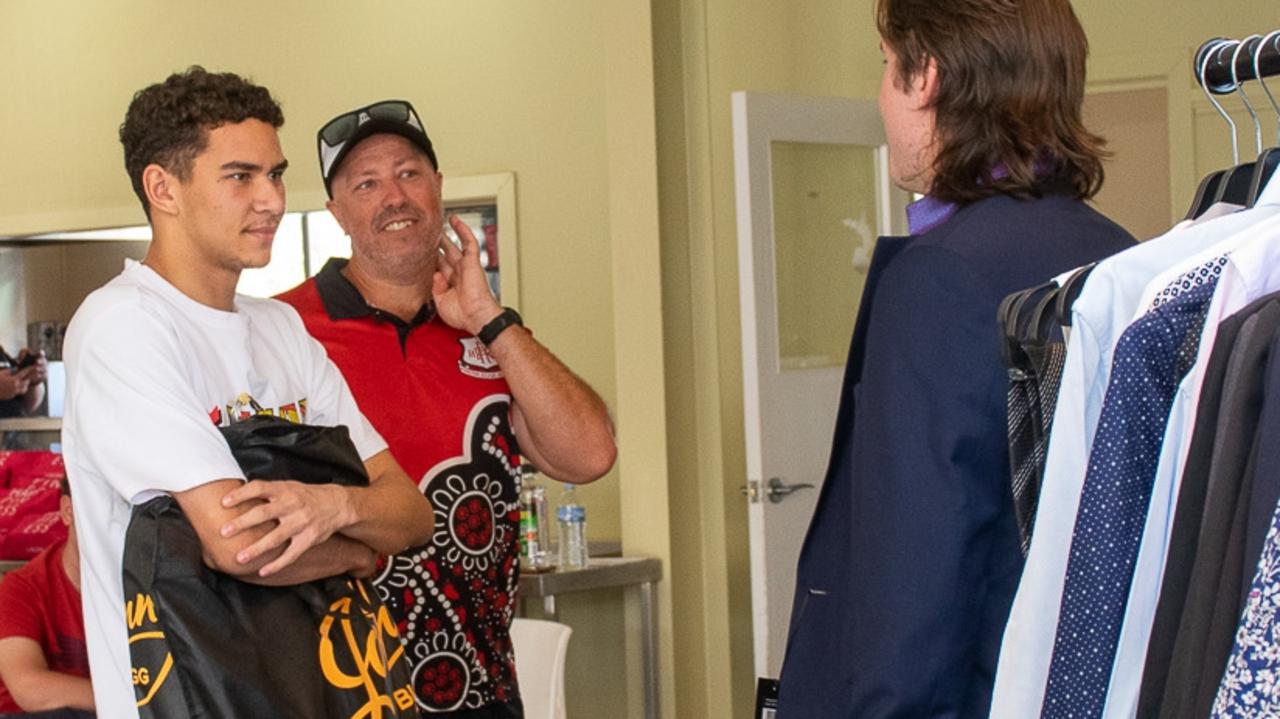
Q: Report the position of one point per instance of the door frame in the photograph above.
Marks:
(760, 119)
(1172, 72)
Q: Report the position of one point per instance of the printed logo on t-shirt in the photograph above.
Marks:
(246, 406)
(476, 360)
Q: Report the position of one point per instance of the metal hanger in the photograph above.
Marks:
(1268, 159)
(1235, 186)
(1208, 188)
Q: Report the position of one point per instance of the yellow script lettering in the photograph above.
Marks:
(371, 660)
(140, 609)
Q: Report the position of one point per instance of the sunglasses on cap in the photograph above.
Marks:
(398, 116)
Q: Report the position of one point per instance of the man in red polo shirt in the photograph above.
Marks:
(44, 663)
(459, 389)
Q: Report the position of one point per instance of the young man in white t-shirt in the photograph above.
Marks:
(166, 352)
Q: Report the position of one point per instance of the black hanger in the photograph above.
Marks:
(1266, 166)
(1004, 317)
(1205, 194)
(1042, 326)
(1071, 289)
(1007, 315)
(1235, 186)
(1014, 318)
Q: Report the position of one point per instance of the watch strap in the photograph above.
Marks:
(497, 325)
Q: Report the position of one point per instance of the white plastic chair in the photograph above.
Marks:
(540, 648)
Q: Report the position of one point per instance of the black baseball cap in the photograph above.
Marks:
(338, 136)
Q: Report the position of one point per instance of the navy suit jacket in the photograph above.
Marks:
(911, 561)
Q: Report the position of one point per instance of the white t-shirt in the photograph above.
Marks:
(151, 374)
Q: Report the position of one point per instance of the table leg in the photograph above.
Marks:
(649, 649)
(549, 607)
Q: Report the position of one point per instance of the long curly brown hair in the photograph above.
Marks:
(168, 123)
(1010, 86)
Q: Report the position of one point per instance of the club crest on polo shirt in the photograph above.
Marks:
(476, 360)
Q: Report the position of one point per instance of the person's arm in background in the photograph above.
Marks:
(33, 685)
(560, 423)
(12, 384)
(35, 375)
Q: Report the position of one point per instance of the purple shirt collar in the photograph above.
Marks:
(929, 212)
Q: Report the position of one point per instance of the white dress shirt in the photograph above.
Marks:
(1108, 303)
(1144, 593)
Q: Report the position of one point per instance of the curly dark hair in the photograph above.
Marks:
(168, 123)
(1010, 85)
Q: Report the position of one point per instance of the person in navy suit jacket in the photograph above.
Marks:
(911, 561)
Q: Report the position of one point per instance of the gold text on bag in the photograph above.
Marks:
(369, 664)
(140, 613)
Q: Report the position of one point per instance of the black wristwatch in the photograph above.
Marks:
(490, 332)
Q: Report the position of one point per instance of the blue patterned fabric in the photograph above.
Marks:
(1150, 359)
(1139, 617)
(1207, 272)
(1250, 686)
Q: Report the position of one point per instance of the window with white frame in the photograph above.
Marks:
(306, 240)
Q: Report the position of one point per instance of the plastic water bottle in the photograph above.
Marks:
(534, 534)
(571, 518)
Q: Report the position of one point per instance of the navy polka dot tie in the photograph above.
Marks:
(1150, 360)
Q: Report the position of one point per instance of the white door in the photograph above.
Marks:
(813, 194)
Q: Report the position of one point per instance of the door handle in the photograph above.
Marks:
(779, 490)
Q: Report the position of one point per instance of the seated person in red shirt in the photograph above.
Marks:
(44, 664)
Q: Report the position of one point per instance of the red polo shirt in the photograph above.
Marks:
(440, 401)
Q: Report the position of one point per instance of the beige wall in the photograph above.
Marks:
(569, 95)
(1136, 125)
(502, 86)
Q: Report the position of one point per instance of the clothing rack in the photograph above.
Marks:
(1215, 56)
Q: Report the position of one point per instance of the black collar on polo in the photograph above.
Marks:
(342, 301)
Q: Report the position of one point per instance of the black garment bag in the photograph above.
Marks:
(206, 645)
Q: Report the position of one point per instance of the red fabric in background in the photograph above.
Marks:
(21, 468)
(29, 522)
(33, 534)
